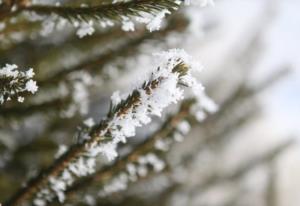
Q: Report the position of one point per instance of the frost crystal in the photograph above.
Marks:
(127, 25)
(89, 122)
(31, 86)
(14, 82)
(21, 99)
(155, 23)
(184, 127)
(115, 98)
(61, 150)
(85, 29)
(158, 92)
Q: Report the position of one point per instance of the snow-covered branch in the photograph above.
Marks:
(174, 68)
(85, 18)
(144, 159)
(15, 83)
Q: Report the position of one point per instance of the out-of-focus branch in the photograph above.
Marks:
(94, 65)
(107, 131)
(6, 8)
(107, 12)
(131, 47)
(21, 111)
(271, 190)
(143, 148)
(240, 172)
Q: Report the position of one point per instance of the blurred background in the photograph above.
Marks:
(247, 153)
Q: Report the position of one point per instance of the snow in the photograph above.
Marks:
(31, 86)
(39, 202)
(184, 127)
(200, 116)
(61, 150)
(153, 20)
(89, 122)
(85, 28)
(53, 22)
(155, 23)
(161, 145)
(147, 162)
(16, 82)
(30, 73)
(48, 25)
(2, 26)
(21, 99)
(79, 83)
(9, 70)
(127, 24)
(118, 183)
(115, 98)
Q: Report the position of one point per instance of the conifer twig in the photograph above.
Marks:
(148, 146)
(123, 117)
(6, 8)
(114, 12)
(263, 159)
(97, 63)
(14, 83)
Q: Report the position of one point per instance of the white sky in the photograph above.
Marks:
(282, 102)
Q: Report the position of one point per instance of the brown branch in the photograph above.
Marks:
(240, 172)
(7, 6)
(128, 49)
(108, 172)
(99, 134)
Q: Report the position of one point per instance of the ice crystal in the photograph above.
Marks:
(14, 83)
(85, 28)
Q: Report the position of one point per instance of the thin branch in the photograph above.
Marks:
(271, 190)
(114, 12)
(240, 172)
(6, 8)
(131, 47)
(103, 133)
(143, 148)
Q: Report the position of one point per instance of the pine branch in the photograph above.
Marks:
(14, 83)
(206, 140)
(119, 124)
(128, 49)
(271, 197)
(6, 8)
(94, 66)
(23, 111)
(109, 172)
(67, 103)
(114, 12)
(166, 132)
